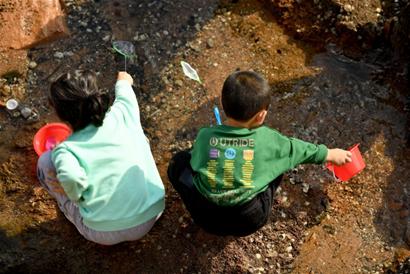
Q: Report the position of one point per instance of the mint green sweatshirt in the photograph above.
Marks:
(109, 171)
(234, 164)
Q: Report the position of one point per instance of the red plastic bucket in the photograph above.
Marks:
(348, 170)
(49, 136)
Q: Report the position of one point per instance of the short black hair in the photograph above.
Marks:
(244, 94)
(78, 100)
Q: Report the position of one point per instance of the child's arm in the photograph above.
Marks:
(125, 98)
(339, 156)
(69, 173)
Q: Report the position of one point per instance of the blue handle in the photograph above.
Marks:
(217, 116)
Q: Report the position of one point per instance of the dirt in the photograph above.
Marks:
(322, 92)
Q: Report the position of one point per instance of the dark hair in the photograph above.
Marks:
(77, 99)
(244, 94)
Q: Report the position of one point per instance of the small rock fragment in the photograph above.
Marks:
(210, 43)
(25, 112)
(32, 65)
(59, 55)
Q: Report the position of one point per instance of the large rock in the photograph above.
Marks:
(25, 23)
(13, 62)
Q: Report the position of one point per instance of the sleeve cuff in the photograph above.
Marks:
(321, 154)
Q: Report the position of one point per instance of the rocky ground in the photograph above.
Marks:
(337, 78)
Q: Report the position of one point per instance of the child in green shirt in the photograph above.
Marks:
(228, 180)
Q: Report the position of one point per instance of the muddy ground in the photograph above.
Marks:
(328, 87)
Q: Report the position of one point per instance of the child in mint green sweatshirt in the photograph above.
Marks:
(103, 176)
(228, 180)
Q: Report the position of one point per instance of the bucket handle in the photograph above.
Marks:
(331, 167)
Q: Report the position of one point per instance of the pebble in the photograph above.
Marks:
(6, 91)
(272, 254)
(179, 83)
(348, 8)
(32, 65)
(26, 112)
(59, 55)
(198, 27)
(210, 43)
(289, 249)
(258, 256)
(195, 48)
(305, 188)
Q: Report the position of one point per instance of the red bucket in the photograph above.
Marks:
(49, 136)
(348, 170)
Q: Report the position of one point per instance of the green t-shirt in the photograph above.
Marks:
(234, 164)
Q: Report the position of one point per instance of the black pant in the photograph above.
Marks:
(238, 220)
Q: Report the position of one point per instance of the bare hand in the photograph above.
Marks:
(339, 156)
(122, 75)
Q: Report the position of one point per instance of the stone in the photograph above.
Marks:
(348, 8)
(305, 188)
(5, 91)
(32, 65)
(179, 83)
(198, 27)
(25, 112)
(272, 254)
(59, 55)
(210, 43)
(26, 23)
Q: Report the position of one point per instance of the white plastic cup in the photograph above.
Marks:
(12, 104)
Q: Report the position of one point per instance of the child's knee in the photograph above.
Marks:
(45, 167)
(45, 162)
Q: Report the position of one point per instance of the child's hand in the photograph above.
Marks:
(122, 75)
(339, 156)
